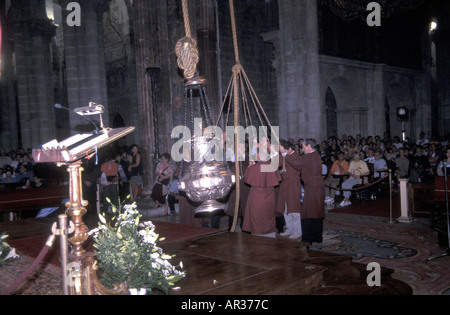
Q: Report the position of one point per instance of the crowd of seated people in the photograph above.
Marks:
(418, 161)
(16, 167)
(18, 170)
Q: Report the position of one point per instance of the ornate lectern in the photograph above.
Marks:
(82, 278)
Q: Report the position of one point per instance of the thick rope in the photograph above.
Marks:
(236, 71)
(233, 29)
(239, 77)
(32, 267)
(187, 22)
(236, 146)
(186, 48)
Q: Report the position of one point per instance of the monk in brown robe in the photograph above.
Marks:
(289, 194)
(313, 208)
(259, 216)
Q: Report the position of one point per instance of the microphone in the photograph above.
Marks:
(96, 131)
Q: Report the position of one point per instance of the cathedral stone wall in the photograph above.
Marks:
(367, 96)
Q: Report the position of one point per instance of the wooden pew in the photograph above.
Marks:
(418, 196)
(437, 207)
(18, 200)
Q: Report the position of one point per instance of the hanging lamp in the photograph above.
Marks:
(206, 182)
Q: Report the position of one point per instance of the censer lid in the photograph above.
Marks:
(196, 81)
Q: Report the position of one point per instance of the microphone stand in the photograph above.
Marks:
(447, 253)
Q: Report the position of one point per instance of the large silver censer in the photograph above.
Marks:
(207, 182)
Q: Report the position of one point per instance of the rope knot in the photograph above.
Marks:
(237, 68)
(188, 57)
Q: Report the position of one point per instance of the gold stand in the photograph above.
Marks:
(76, 209)
(82, 274)
(81, 278)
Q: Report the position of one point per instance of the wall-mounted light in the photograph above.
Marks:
(402, 113)
(49, 10)
(433, 26)
(403, 116)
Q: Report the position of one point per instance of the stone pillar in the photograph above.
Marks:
(144, 61)
(85, 60)
(440, 84)
(375, 99)
(32, 32)
(207, 45)
(301, 113)
(9, 135)
(158, 25)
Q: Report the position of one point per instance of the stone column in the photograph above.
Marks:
(158, 25)
(207, 45)
(297, 64)
(85, 60)
(440, 86)
(9, 135)
(144, 60)
(32, 32)
(376, 97)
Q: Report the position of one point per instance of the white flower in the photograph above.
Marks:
(154, 255)
(12, 254)
(148, 224)
(96, 231)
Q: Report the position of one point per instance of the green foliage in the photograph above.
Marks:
(127, 253)
(5, 249)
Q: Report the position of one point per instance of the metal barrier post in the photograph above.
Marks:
(405, 218)
(391, 220)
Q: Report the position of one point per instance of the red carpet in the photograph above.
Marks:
(377, 208)
(32, 246)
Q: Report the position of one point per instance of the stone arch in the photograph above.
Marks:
(118, 121)
(349, 117)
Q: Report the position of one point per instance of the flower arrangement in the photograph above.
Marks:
(127, 253)
(6, 252)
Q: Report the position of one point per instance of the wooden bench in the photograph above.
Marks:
(18, 200)
(436, 205)
(418, 196)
